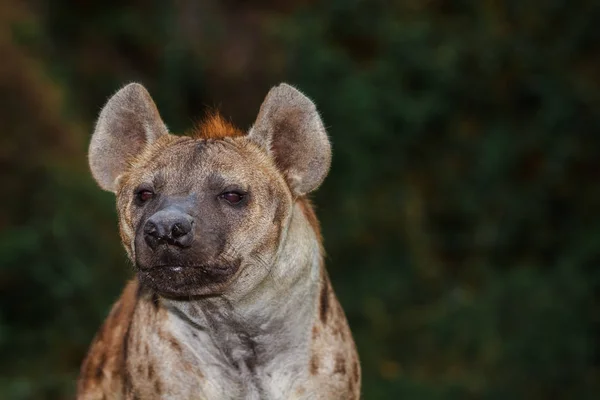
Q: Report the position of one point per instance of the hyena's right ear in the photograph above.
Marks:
(128, 122)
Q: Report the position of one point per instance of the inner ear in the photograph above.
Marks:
(290, 129)
(128, 122)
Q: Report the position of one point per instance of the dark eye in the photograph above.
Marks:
(232, 197)
(144, 195)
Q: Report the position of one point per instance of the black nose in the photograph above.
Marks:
(171, 227)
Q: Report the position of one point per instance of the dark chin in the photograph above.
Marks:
(187, 281)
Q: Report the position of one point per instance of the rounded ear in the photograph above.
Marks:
(290, 129)
(128, 122)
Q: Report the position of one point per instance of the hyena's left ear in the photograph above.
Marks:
(290, 129)
(128, 122)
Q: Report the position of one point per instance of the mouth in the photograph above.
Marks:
(178, 280)
(210, 270)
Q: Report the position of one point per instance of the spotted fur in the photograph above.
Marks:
(275, 329)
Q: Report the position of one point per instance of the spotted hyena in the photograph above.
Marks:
(231, 299)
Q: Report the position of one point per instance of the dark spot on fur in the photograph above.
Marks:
(250, 360)
(155, 301)
(157, 387)
(174, 344)
(125, 347)
(324, 306)
(343, 334)
(100, 366)
(314, 365)
(340, 364)
(355, 372)
(141, 289)
(315, 332)
(150, 371)
(125, 353)
(336, 330)
(188, 367)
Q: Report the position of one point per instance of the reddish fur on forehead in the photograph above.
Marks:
(214, 126)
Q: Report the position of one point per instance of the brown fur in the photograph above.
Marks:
(107, 358)
(118, 354)
(271, 332)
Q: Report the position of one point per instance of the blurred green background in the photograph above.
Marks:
(461, 216)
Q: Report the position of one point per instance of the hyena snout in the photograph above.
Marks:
(170, 227)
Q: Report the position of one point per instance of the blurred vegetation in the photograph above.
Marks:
(461, 216)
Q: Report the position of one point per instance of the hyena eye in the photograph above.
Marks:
(143, 195)
(232, 197)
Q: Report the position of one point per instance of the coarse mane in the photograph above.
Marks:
(214, 126)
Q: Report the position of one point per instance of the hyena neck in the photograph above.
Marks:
(275, 318)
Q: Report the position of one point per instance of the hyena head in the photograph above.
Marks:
(198, 213)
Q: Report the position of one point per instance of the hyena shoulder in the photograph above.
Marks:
(334, 361)
(105, 364)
